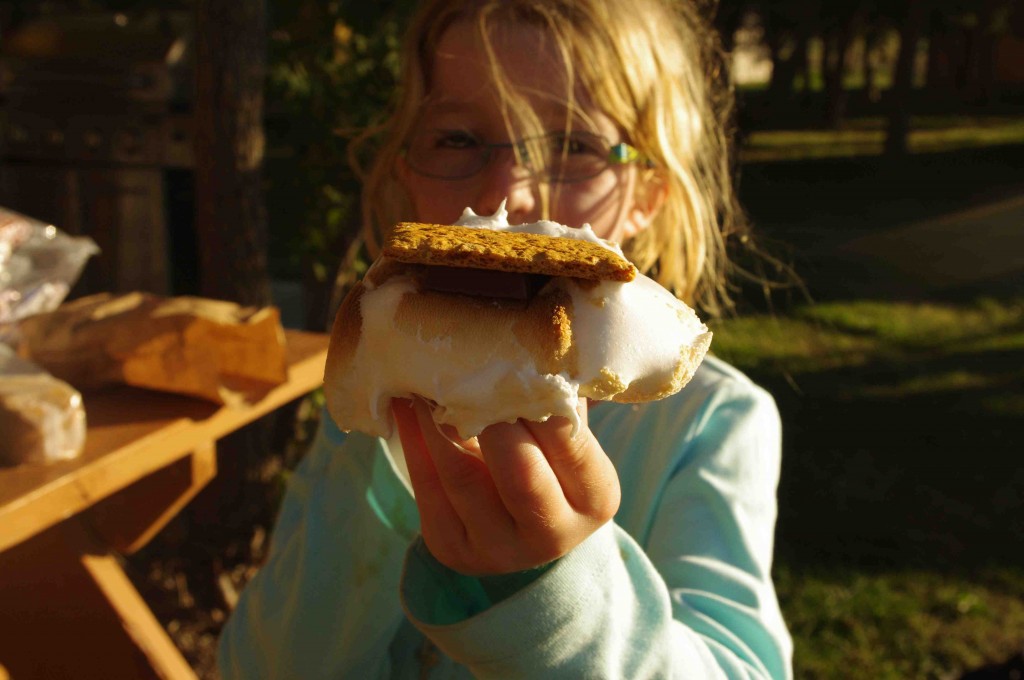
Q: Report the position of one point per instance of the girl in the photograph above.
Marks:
(642, 546)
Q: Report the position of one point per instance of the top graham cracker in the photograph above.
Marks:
(476, 248)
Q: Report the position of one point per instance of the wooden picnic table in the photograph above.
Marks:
(67, 608)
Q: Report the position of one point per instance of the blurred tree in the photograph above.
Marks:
(231, 58)
(789, 27)
(792, 28)
(845, 20)
(728, 14)
(991, 20)
(231, 227)
(912, 15)
(876, 31)
(810, 43)
(941, 50)
(334, 69)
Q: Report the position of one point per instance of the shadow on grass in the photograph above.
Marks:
(901, 516)
(913, 460)
(809, 210)
(858, 195)
(878, 476)
(901, 521)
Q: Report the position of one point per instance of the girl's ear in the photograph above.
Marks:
(650, 194)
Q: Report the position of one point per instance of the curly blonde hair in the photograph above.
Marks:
(655, 69)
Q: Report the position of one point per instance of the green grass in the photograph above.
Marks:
(901, 523)
(900, 624)
(843, 334)
(866, 137)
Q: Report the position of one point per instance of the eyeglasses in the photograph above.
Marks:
(554, 157)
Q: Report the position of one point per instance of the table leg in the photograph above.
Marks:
(130, 518)
(70, 611)
(137, 619)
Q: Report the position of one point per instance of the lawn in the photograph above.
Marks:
(866, 137)
(901, 524)
(901, 520)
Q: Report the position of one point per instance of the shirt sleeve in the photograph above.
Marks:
(712, 539)
(695, 601)
(325, 605)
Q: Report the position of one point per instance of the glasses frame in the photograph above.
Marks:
(621, 153)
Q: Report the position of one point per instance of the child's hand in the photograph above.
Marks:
(539, 495)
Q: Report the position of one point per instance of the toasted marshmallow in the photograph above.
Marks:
(482, 361)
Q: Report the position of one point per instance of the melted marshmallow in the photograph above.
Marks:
(632, 331)
(499, 222)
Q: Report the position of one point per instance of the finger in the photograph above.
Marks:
(466, 479)
(523, 477)
(585, 473)
(439, 522)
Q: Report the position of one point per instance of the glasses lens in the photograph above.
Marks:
(575, 156)
(556, 157)
(446, 154)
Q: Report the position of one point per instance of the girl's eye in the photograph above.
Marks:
(455, 140)
(579, 144)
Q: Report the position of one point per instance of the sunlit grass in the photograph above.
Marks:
(866, 137)
(887, 369)
(923, 325)
(899, 624)
(787, 344)
(1010, 405)
(848, 334)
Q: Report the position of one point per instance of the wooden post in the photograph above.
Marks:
(230, 214)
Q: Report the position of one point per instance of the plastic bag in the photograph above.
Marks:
(42, 419)
(39, 264)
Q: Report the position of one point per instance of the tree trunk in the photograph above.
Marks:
(940, 48)
(901, 95)
(788, 47)
(230, 213)
(231, 222)
(836, 96)
(980, 58)
(868, 66)
(780, 84)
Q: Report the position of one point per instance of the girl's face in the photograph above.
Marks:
(463, 107)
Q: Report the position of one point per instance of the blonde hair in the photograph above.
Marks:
(654, 69)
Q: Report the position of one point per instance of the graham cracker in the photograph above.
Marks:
(472, 247)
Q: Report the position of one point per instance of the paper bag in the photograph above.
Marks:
(214, 350)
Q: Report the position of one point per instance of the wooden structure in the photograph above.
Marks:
(96, 139)
(67, 608)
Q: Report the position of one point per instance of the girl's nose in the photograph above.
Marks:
(504, 179)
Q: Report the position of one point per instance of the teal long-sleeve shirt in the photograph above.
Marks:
(677, 586)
